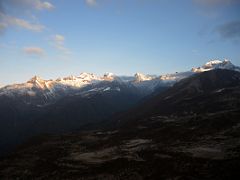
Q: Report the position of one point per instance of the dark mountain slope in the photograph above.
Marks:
(71, 112)
(19, 121)
(206, 92)
(200, 93)
(16, 120)
(165, 138)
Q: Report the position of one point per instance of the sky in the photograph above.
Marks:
(57, 38)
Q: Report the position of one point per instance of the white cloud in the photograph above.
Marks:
(43, 5)
(59, 43)
(8, 21)
(59, 39)
(33, 51)
(91, 2)
(28, 4)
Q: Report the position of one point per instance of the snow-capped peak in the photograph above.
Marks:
(38, 82)
(216, 64)
(78, 81)
(35, 79)
(145, 83)
(211, 64)
(87, 76)
(108, 76)
(70, 78)
(142, 77)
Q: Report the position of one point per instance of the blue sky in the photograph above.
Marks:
(58, 38)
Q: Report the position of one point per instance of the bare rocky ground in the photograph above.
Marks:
(161, 147)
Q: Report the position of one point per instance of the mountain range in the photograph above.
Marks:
(65, 104)
(177, 126)
(41, 92)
